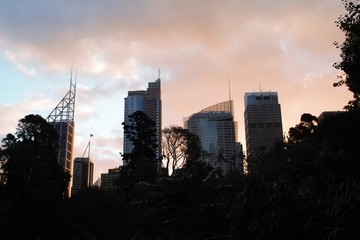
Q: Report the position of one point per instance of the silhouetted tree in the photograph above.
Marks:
(350, 51)
(194, 150)
(174, 145)
(142, 164)
(30, 158)
(338, 139)
(178, 146)
(303, 130)
(36, 184)
(290, 157)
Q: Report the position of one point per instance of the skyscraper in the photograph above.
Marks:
(83, 175)
(62, 118)
(217, 131)
(149, 102)
(263, 125)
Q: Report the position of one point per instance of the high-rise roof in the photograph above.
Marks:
(263, 124)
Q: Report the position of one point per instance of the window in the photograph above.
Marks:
(252, 125)
(277, 124)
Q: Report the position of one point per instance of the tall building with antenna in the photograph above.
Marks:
(62, 119)
(263, 124)
(83, 174)
(149, 102)
(217, 131)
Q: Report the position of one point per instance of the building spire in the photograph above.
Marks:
(260, 86)
(64, 111)
(230, 100)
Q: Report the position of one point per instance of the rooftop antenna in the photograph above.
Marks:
(75, 77)
(87, 149)
(73, 85)
(230, 96)
(260, 86)
(159, 73)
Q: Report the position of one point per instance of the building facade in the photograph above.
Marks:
(83, 176)
(110, 180)
(149, 102)
(217, 131)
(62, 119)
(263, 124)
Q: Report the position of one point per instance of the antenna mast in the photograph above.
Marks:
(260, 86)
(230, 100)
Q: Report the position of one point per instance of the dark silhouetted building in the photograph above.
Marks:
(263, 124)
(110, 180)
(83, 176)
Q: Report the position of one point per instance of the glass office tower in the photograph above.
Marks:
(149, 102)
(217, 131)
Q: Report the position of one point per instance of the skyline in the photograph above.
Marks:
(116, 47)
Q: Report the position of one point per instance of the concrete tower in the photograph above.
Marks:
(263, 125)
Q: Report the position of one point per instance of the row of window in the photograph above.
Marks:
(265, 125)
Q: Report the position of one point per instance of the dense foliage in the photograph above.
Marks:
(180, 148)
(142, 164)
(308, 187)
(29, 159)
(35, 183)
(350, 51)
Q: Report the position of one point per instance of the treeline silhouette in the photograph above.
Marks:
(308, 187)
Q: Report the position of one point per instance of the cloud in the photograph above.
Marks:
(310, 78)
(103, 34)
(12, 113)
(28, 71)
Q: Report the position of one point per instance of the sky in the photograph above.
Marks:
(285, 46)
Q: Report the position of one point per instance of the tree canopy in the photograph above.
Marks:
(179, 148)
(350, 51)
(142, 164)
(30, 158)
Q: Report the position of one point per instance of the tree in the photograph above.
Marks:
(194, 150)
(303, 130)
(142, 164)
(350, 51)
(30, 158)
(174, 145)
(178, 146)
